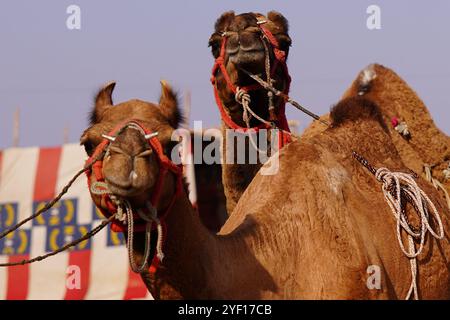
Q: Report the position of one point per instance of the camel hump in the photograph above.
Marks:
(365, 81)
(356, 108)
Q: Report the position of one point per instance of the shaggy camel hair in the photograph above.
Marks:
(309, 232)
(245, 48)
(395, 98)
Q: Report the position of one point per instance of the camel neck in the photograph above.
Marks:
(190, 252)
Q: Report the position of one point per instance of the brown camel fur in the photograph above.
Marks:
(308, 232)
(246, 50)
(427, 145)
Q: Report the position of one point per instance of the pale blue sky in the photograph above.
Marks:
(52, 73)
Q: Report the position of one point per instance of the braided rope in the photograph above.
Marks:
(394, 183)
(87, 236)
(126, 216)
(278, 93)
(159, 228)
(243, 98)
(51, 203)
(272, 115)
(148, 228)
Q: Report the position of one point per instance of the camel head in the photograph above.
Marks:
(249, 41)
(129, 164)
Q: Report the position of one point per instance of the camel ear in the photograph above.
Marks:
(168, 104)
(281, 28)
(279, 20)
(221, 25)
(224, 21)
(103, 101)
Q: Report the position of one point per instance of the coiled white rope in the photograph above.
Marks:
(393, 184)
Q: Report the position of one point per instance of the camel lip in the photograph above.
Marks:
(241, 50)
(249, 54)
(124, 192)
(253, 62)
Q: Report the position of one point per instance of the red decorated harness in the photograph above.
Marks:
(280, 60)
(165, 166)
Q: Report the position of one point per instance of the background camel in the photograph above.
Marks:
(395, 98)
(308, 232)
(245, 48)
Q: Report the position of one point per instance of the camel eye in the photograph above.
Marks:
(214, 43)
(285, 42)
(168, 148)
(89, 147)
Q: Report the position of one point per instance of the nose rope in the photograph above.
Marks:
(242, 97)
(272, 115)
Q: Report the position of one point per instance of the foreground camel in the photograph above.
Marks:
(427, 145)
(238, 41)
(309, 232)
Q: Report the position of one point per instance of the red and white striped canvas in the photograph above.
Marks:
(28, 178)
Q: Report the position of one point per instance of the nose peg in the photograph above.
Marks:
(150, 135)
(112, 139)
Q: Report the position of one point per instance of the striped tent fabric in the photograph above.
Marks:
(29, 177)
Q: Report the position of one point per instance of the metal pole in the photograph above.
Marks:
(66, 134)
(16, 127)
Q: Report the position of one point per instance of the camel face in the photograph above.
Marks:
(130, 166)
(245, 45)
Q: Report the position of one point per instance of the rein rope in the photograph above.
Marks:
(48, 206)
(266, 85)
(398, 189)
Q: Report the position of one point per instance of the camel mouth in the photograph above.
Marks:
(125, 192)
(248, 58)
